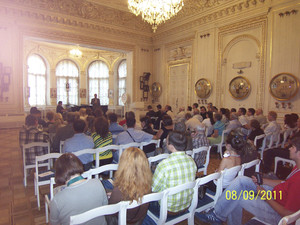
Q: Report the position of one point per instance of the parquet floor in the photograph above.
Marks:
(18, 204)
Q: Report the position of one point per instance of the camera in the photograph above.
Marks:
(259, 178)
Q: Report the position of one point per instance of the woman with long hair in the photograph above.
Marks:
(79, 195)
(102, 137)
(133, 180)
(167, 126)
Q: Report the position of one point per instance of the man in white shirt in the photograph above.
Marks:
(273, 127)
(191, 122)
(233, 123)
(197, 115)
(244, 121)
(250, 114)
(168, 110)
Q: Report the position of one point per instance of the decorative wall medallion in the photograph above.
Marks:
(155, 89)
(284, 86)
(203, 88)
(239, 87)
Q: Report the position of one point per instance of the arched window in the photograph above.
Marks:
(99, 81)
(122, 74)
(67, 82)
(36, 80)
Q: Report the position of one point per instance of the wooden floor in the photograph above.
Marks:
(18, 204)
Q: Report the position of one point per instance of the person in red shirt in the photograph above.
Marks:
(269, 201)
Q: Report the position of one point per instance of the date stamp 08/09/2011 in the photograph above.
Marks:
(252, 195)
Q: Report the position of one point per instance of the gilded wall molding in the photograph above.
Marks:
(259, 22)
(219, 14)
(75, 24)
(85, 10)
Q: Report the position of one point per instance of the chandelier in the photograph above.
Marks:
(155, 12)
(75, 52)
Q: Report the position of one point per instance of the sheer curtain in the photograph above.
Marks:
(67, 82)
(36, 80)
(122, 74)
(99, 81)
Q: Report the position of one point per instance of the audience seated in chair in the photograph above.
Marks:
(255, 131)
(219, 127)
(199, 139)
(65, 132)
(177, 169)
(146, 127)
(260, 117)
(114, 127)
(30, 133)
(79, 142)
(284, 201)
(167, 126)
(281, 152)
(209, 122)
(273, 127)
(78, 196)
(102, 137)
(191, 122)
(38, 114)
(133, 166)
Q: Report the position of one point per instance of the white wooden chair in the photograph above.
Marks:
(143, 144)
(163, 215)
(103, 149)
(102, 211)
(48, 198)
(28, 147)
(210, 198)
(263, 145)
(222, 143)
(61, 146)
(279, 159)
(156, 159)
(248, 165)
(43, 178)
(93, 172)
(125, 146)
(233, 170)
(295, 217)
(200, 150)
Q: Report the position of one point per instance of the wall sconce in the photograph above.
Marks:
(283, 105)
(289, 104)
(277, 105)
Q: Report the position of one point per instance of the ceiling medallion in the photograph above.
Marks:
(155, 12)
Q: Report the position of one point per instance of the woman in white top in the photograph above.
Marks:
(209, 122)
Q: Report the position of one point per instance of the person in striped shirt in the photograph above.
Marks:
(102, 137)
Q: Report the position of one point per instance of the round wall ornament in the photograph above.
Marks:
(239, 87)
(203, 88)
(284, 86)
(156, 89)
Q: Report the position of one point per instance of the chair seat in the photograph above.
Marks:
(205, 200)
(46, 175)
(155, 210)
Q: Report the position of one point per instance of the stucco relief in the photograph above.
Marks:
(180, 53)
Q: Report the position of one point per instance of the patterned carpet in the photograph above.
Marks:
(18, 204)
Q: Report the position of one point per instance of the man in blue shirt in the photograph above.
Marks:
(79, 142)
(114, 127)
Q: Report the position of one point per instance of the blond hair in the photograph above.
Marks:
(133, 177)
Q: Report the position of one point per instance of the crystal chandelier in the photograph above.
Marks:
(155, 12)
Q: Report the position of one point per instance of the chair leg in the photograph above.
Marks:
(25, 178)
(38, 197)
(46, 212)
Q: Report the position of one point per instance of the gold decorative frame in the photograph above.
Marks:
(239, 87)
(203, 88)
(284, 86)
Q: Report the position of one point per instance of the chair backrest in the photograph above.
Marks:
(157, 158)
(248, 165)
(278, 159)
(196, 158)
(47, 157)
(125, 146)
(101, 211)
(103, 149)
(32, 145)
(52, 183)
(215, 176)
(258, 138)
(109, 167)
(175, 190)
(231, 173)
(290, 219)
(156, 142)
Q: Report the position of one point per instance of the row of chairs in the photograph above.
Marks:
(47, 160)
